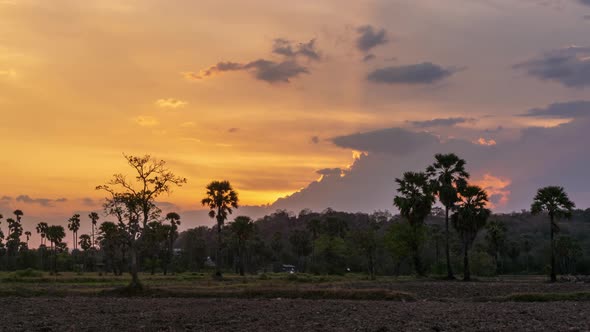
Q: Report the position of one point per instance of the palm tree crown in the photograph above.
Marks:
(221, 199)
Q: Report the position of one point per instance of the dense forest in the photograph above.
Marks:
(141, 238)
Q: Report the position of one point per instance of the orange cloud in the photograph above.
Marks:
(170, 103)
(496, 188)
(147, 121)
(486, 142)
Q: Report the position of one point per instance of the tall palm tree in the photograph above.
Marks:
(221, 199)
(470, 217)
(94, 218)
(174, 219)
(42, 231)
(28, 235)
(554, 201)
(449, 175)
(242, 228)
(74, 226)
(55, 235)
(415, 200)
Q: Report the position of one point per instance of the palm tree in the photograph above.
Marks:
(42, 230)
(84, 242)
(555, 202)
(55, 235)
(221, 199)
(28, 235)
(449, 175)
(94, 218)
(18, 214)
(242, 228)
(74, 226)
(470, 217)
(415, 200)
(174, 219)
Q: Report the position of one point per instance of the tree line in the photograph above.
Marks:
(422, 239)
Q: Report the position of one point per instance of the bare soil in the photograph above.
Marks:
(175, 314)
(440, 306)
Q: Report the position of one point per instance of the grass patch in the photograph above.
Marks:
(270, 293)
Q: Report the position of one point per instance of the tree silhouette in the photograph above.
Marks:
(470, 217)
(132, 202)
(415, 200)
(495, 236)
(42, 231)
(243, 229)
(55, 235)
(85, 242)
(449, 175)
(74, 226)
(221, 199)
(174, 219)
(28, 235)
(19, 214)
(94, 219)
(555, 202)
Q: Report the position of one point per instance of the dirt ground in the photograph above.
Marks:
(175, 314)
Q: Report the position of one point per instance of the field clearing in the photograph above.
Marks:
(196, 302)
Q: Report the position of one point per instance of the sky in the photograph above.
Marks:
(306, 104)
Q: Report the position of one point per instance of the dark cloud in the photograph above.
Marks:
(88, 201)
(369, 57)
(370, 37)
(6, 198)
(446, 122)
(392, 140)
(585, 2)
(264, 70)
(569, 66)
(315, 139)
(271, 71)
(422, 73)
(41, 201)
(233, 130)
(285, 47)
(572, 109)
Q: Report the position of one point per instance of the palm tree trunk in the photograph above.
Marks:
(450, 274)
(466, 271)
(553, 276)
(218, 252)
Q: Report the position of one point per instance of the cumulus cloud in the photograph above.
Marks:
(170, 103)
(271, 71)
(569, 66)
(422, 73)
(47, 202)
(330, 172)
(440, 122)
(567, 110)
(511, 170)
(370, 37)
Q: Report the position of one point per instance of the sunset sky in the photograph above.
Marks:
(325, 102)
